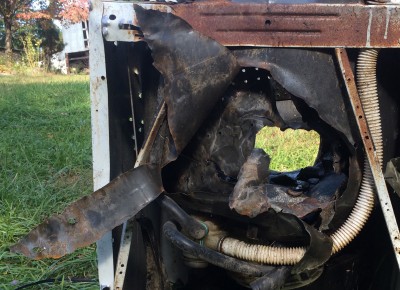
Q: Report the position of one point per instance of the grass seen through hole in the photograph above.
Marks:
(290, 149)
(45, 164)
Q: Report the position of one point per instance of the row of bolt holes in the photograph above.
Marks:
(366, 136)
(113, 17)
(360, 117)
(122, 265)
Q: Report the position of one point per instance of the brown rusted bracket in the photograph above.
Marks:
(381, 189)
(294, 25)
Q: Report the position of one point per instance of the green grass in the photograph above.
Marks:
(289, 150)
(45, 163)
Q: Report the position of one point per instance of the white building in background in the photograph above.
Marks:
(76, 51)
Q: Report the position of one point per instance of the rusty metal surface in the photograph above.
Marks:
(370, 152)
(274, 25)
(253, 194)
(248, 196)
(88, 219)
(196, 70)
(294, 25)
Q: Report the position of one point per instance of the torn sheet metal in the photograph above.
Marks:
(248, 196)
(253, 194)
(298, 71)
(392, 174)
(223, 143)
(88, 219)
(195, 74)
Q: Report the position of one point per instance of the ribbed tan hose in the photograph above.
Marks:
(368, 90)
(261, 254)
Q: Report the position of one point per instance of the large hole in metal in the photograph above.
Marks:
(290, 149)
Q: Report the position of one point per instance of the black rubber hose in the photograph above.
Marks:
(273, 280)
(211, 256)
(193, 227)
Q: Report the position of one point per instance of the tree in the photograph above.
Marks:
(9, 9)
(12, 11)
(73, 11)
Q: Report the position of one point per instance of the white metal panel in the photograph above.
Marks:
(100, 133)
(73, 38)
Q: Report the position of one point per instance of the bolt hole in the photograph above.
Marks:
(112, 17)
(366, 137)
(105, 288)
(360, 117)
(122, 265)
(268, 22)
(103, 78)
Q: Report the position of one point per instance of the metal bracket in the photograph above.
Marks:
(123, 255)
(118, 21)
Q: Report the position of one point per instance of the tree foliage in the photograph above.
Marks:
(73, 11)
(9, 9)
(17, 14)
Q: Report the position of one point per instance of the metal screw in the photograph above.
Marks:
(72, 221)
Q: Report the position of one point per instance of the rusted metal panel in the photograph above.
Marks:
(271, 25)
(294, 25)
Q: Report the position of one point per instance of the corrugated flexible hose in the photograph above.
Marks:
(368, 90)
